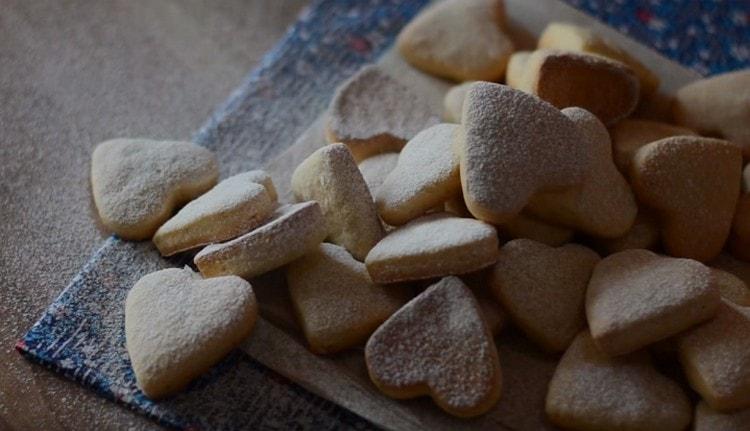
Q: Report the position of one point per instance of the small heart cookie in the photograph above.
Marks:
(512, 145)
(453, 102)
(261, 177)
(458, 39)
(178, 325)
(593, 392)
(137, 183)
(331, 177)
(425, 176)
(515, 75)
(335, 300)
(643, 234)
(603, 206)
(233, 207)
(731, 287)
(716, 358)
(543, 289)
(637, 297)
(431, 246)
(290, 232)
(630, 134)
(693, 184)
(438, 345)
(708, 419)
(524, 226)
(373, 113)
(374, 170)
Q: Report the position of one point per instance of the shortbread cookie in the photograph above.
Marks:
(524, 226)
(716, 358)
(425, 176)
(433, 246)
(330, 177)
(458, 39)
(593, 392)
(693, 184)
(643, 234)
(571, 37)
(456, 205)
(335, 300)
(453, 102)
(178, 325)
(515, 75)
(438, 345)
(717, 106)
(374, 169)
(739, 239)
(736, 267)
(603, 206)
(708, 419)
(630, 134)
(261, 177)
(512, 145)
(604, 87)
(137, 183)
(373, 113)
(731, 287)
(492, 312)
(233, 207)
(543, 289)
(291, 231)
(637, 297)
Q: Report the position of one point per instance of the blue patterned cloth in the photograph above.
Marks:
(81, 335)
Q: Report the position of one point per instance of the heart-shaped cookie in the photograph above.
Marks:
(543, 289)
(376, 168)
(335, 300)
(708, 419)
(731, 287)
(593, 392)
(643, 234)
(438, 345)
(453, 102)
(458, 39)
(137, 183)
(178, 325)
(525, 226)
(512, 145)
(630, 134)
(637, 297)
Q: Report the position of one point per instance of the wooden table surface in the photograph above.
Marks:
(74, 73)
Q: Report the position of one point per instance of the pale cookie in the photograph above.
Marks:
(512, 145)
(137, 183)
(604, 87)
(291, 231)
(717, 106)
(566, 36)
(373, 113)
(693, 184)
(524, 226)
(731, 287)
(715, 357)
(643, 234)
(543, 289)
(178, 325)
(630, 134)
(515, 75)
(708, 419)
(603, 206)
(637, 297)
(330, 177)
(261, 177)
(374, 169)
(425, 176)
(433, 246)
(335, 300)
(458, 39)
(233, 207)
(593, 392)
(438, 345)
(453, 102)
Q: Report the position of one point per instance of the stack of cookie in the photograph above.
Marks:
(538, 201)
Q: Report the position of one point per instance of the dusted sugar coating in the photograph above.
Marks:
(453, 102)
(708, 419)
(717, 106)
(636, 298)
(630, 134)
(643, 234)
(524, 226)
(543, 289)
(137, 183)
(263, 178)
(571, 37)
(693, 184)
(512, 145)
(291, 231)
(335, 300)
(715, 357)
(425, 176)
(731, 287)
(233, 207)
(431, 246)
(178, 325)
(438, 345)
(373, 113)
(374, 169)
(593, 392)
(331, 177)
(515, 76)
(603, 206)
(461, 40)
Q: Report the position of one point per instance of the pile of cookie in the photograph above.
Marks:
(536, 202)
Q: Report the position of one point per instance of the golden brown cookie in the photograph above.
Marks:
(453, 102)
(708, 419)
(516, 73)
(630, 134)
(731, 287)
